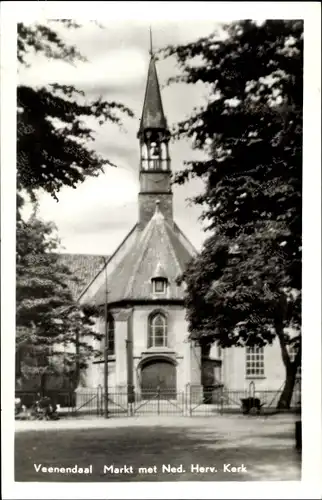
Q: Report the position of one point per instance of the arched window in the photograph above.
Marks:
(163, 151)
(144, 151)
(155, 150)
(158, 330)
(111, 334)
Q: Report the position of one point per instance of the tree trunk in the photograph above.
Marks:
(284, 402)
(43, 384)
(77, 363)
(205, 349)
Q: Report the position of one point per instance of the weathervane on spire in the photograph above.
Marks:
(151, 45)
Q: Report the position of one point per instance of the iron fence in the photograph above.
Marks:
(65, 399)
(192, 401)
(158, 402)
(222, 400)
(131, 402)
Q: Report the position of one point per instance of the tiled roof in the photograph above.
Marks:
(159, 243)
(152, 114)
(159, 272)
(83, 267)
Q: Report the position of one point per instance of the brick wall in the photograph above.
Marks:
(152, 181)
(147, 206)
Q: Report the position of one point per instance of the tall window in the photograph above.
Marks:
(158, 331)
(292, 350)
(111, 334)
(254, 362)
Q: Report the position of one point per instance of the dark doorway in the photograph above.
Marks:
(158, 377)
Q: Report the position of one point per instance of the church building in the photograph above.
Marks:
(148, 339)
(148, 335)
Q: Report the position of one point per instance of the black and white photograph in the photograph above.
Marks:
(157, 264)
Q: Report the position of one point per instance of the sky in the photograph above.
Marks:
(96, 216)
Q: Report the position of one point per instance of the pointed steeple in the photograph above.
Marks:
(155, 162)
(151, 44)
(152, 114)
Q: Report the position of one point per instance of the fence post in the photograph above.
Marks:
(130, 399)
(158, 394)
(186, 400)
(222, 401)
(70, 403)
(99, 400)
(190, 399)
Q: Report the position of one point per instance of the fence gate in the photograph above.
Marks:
(204, 401)
(158, 402)
(192, 401)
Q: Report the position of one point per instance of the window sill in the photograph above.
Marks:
(257, 377)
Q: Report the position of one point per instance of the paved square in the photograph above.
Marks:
(262, 446)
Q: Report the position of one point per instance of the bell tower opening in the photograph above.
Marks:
(154, 151)
(155, 163)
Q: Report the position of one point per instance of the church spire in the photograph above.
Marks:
(154, 136)
(151, 44)
(152, 113)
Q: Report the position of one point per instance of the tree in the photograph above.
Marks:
(244, 288)
(53, 140)
(53, 332)
(53, 151)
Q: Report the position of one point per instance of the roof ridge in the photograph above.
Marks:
(109, 258)
(168, 242)
(158, 215)
(187, 240)
(159, 270)
(146, 241)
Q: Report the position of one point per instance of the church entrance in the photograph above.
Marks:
(158, 378)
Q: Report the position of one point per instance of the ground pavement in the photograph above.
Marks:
(233, 448)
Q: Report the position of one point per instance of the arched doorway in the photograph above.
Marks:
(158, 377)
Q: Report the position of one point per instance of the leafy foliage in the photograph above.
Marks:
(245, 286)
(53, 143)
(53, 150)
(44, 39)
(53, 332)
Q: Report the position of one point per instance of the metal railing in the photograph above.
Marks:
(65, 399)
(191, 401)
(158, 402)
(222, 400)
